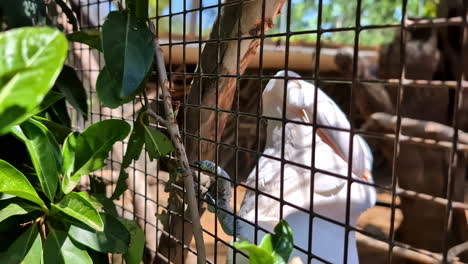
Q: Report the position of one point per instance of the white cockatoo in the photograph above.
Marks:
(330, 193)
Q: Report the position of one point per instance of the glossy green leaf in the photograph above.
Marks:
(60, 249)
(68, 165)
(134, 254)
(90, 37)
(131, 39)
(72, 88)
(60, 132)
(44, 152)
(98, 257)
(30, 62)
(281, 243)
(92, 199)
(50, 99)
(5, 196)
(58, 112)
(99, 190)
(157, 144)
(79, 207)
(114, 239)
(26, 249)
(108, 89)
(274, 249)
(86, 152)
(23, 13)
(257, 255)
(16, 208)
(133, 152)
(138, 8)
(13, 182)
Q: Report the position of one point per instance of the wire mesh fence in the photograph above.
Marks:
(395, 68)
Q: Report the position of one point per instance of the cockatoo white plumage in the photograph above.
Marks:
(330, 193)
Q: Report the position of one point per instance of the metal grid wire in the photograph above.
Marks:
(245, 124)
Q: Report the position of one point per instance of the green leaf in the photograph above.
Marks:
(274, 249)
(5, 196)
(157, 144)
(98, 257)
(26, 249)
(133, 152)
(134, 254)
(114, 239)
(60, 132)
(79, 207)
(68, 165)
(282, 242)
(108, 90)
(98, 189)
(60, 249)
(131, 39)
(92, 199)
(58, 113)
(50, 99)
(13, 182)
(86, 152)
(16, 208)
(30, 62)
(257, 255)
(44, 152)
(23, 13)
(90, 37)
(138, 8)
(70, 85)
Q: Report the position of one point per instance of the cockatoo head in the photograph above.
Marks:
(300, 99)
(273, 96)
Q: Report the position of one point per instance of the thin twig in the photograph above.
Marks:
(42, 230)
(180, 153)
(158, 118)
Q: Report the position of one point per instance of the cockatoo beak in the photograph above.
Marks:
(339, 140)
(300, 96)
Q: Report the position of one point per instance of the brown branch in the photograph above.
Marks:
(418, 132)
(417, 128)
(400, 250)
(427, 197)
(180, 153)
(452, 254)
(430, 143)
(157, 117)
(42, 228)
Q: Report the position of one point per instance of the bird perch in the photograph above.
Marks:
(180, 153)
(417, 131)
